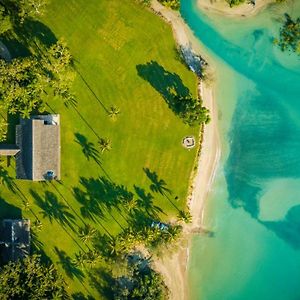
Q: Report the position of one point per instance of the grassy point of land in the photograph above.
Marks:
(110, 42)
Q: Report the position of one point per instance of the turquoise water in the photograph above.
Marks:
(254, 206)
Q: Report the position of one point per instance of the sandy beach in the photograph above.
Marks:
(174, 267)
(243, 10)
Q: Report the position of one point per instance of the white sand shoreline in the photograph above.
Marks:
(174, 267)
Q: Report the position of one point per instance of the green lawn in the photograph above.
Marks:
(110, 42)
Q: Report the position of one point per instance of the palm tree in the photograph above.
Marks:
(174, 232)
(116, 246)
(129, 202)
(80, 259)
(184, 216)
(92, 257)
(104, 144)
(37, 225)
(113, 112)
(26, 205)
(86, 233)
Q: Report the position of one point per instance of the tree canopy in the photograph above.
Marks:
(24, 81)
(189, 109)
(234, 2)
(30, 279)
(289, 36)
(22, 9)
(139, 282)
(174, 4)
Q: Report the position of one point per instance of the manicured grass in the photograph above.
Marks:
(108, 40)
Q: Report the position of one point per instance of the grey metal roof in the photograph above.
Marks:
(15, 239)
(39, 141)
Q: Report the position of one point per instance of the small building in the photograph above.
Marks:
(14, 239)
(37, 148)
(38, 139)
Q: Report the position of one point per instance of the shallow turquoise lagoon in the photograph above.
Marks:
(254, 206)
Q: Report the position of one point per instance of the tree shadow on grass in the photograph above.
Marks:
(159, 186)
(81, 296)
(166, 83)
(36, 244)
(68, 265)
(7, 180)
(12, 121)
(53, 209)
(91, 90)
(9, 211)
(105, 193)
(102, 282)
(88, 148)
(140, 219)
(30, 37)
(98, 195)
(64, 198)
(145, 201)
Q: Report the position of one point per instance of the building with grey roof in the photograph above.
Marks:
(39, 141)
(37, 148)
(14, 239)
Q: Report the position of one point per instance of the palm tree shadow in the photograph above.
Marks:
(68, 265)
(145, 200)
(88, 148)
(91, 90)
(7, 180)
(31, 36)
(102, 281)
(157, 185)
(53, 209)
(8, 211)
(36, 244)
(81, 296)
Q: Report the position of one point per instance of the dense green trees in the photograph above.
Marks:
(289, 36)
(24, 81)
(30, 279)
(87, 233)
(19, 10)
(189, 109)
(184, 216)
(174, 4)
(139, 282)
(234, 2)
(30, 8)
(21, 86)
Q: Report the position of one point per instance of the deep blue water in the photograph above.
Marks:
(254, 207)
